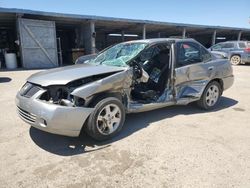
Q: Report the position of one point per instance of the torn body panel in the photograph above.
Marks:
(166, 99)
(120, 81)
(190, 91)
(191, 80)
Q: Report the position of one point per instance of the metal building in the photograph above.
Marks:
(45, 39)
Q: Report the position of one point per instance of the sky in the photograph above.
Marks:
(234, 13)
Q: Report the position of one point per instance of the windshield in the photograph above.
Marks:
(119, 55)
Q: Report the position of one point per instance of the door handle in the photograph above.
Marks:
(211, 68)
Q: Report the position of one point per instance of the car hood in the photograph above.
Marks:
(64, 75)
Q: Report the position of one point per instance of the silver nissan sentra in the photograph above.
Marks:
(129, 77)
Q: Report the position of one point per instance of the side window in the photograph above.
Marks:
(147, 54)
(155, 56)
(188, 53)
(152, 52)
(216, 47)
(242, 45)
(228, 45)
(205, 55)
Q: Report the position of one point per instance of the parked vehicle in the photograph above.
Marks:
(238, 52)
(129, 77)
(82, 59)
(220, 55)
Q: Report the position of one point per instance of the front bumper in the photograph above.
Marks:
(62, 120)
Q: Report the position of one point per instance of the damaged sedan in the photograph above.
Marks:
(129, 77)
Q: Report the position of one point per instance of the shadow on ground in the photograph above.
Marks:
(4, 79)
(67, 146)
(247, 64)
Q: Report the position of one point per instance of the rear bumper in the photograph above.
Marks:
(62, 120)
(228, 82)
(245, 58)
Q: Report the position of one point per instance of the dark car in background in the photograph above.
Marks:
(238, 52)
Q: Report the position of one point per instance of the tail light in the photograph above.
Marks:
(247, 50)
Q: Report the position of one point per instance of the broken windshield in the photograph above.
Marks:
(119, 54)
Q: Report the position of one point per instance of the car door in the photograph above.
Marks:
(193, 69)
(227, 47)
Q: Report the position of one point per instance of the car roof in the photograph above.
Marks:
(234, 41)
(159, 40)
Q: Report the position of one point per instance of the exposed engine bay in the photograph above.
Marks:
(60, 94)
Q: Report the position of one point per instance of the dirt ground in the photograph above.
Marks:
(179, 146)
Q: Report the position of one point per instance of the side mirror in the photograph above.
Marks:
(140, 73)
(137, 71)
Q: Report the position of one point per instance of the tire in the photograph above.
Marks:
(106, 120)
(235, 60)
(210, 96)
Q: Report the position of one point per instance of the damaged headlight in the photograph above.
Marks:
(28, 90)
(79, 101)
(26, 87)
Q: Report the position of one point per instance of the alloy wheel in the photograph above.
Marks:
(212, 95)
(235, 60)
(108, 119)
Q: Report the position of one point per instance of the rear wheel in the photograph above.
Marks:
(235, 60)
(210, 96)
(106, 120)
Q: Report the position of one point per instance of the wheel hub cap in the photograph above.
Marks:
(108, 119)
(235, 60)
(212, 95)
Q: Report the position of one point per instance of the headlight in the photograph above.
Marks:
(26, 87)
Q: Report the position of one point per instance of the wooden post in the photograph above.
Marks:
(239, 35)
(184, 33)
(214, 38)
(144, 31)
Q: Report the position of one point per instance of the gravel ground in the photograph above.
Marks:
(178, 146)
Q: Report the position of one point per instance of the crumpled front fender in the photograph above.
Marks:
(116, 82)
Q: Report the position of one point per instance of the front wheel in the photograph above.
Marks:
(235, 60)
(210, 96)
(106, 120)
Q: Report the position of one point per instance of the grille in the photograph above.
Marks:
(26, 115)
